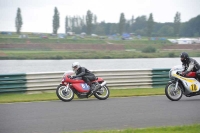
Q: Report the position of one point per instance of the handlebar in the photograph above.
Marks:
(179, 73)
(70, 77)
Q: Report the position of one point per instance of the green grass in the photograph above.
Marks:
(50, 41)
(54, 48)
(86, 54)
(194, 128)
(23, 97)
(14, 39)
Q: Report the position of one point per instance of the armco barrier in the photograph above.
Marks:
(12, 82)
(116, 79)
(159, 77)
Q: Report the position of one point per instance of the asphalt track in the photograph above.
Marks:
(93, 114)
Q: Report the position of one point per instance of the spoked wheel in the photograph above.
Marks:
(171, 93)
(102, 93)
(65, 94)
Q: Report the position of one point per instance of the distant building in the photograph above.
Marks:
(185, 40)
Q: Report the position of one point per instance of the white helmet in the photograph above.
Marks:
(75, 66)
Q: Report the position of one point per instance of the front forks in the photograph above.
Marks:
(176, 85)
(66, 88)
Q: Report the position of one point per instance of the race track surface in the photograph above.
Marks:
(93, 114)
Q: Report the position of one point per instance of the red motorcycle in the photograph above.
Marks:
(66, 90)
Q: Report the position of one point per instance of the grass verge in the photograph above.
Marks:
(86, 54)
(23, 97)
(194, 128)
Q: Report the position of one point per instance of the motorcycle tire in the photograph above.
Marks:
(100, 93)
(172, 95)
(63, 95)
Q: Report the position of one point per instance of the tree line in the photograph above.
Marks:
(140, 26)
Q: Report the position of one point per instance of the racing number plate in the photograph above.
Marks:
(194, 87)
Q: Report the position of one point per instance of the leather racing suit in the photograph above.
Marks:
(86, 75)
(191, 65)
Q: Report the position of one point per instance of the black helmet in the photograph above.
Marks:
(184, 57)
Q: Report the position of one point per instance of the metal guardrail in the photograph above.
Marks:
(116, 79)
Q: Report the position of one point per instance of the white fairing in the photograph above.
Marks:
(190, 84)
(177, 68)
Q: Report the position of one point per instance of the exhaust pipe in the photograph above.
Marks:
(103, 84)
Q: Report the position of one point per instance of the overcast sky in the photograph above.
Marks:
(37, 15)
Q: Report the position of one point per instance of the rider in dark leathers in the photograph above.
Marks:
(189, 65)
(85, 74)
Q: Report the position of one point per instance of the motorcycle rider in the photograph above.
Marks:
(86, 75)
(189, 65)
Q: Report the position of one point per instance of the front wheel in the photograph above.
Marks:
(171, 93)
(65, 94)
(103, 93)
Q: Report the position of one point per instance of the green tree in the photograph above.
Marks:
(113, 29)
(73, 22)
(140, 25)
(191, 28)
(166, 30)
(177, 23)
(128, 26)
(95, 19)
(100, 29)
(18, 21)
(76, 25)
(56, 21)
(122, 22)
(150, 24)
(96, 26)
(132, 20)
(89, 19)
(140, 32)
(67, 28)
(149, 49)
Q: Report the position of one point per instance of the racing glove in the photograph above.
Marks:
(185, 73)
(73, 77)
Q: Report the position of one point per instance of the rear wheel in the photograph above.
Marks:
(171, 93)
(65, 94)
(102, 93)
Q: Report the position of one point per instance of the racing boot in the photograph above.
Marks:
(92, 87)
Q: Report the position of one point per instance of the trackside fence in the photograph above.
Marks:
(116, 79)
